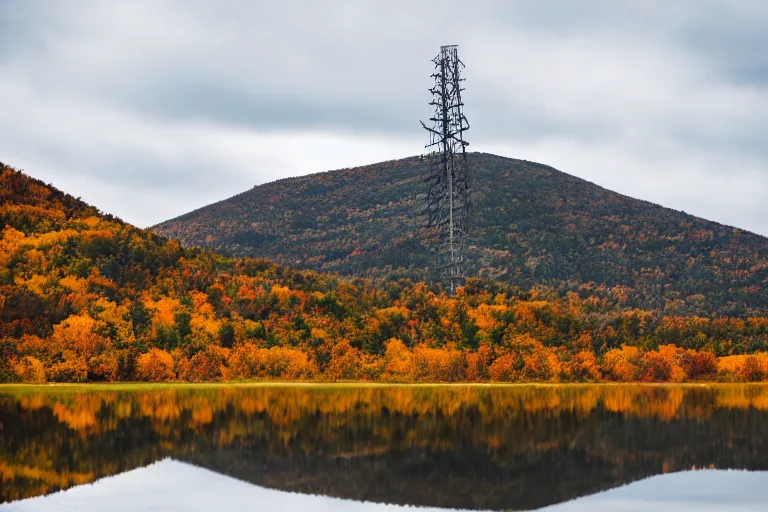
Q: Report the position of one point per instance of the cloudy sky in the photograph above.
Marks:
(151, 108)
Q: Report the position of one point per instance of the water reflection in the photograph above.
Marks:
(454, 447)
(172, 485)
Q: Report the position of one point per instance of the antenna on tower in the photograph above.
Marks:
(447, 204)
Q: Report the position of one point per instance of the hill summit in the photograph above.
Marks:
(532, 225)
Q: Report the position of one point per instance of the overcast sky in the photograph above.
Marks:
(149, 109)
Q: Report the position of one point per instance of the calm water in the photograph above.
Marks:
(453, 447)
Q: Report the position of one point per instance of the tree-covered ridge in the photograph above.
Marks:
(534, 225)
(84, 296)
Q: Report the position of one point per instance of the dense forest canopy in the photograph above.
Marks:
(532, 225)
(84, 296)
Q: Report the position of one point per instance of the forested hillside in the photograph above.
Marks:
(534, 225)
(84, 296)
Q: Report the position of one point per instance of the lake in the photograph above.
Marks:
(326, 447)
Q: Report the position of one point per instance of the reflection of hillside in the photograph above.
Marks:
(603, 453)
(453, 479)
(453, 447)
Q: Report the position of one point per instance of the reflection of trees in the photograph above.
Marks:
(449, 446)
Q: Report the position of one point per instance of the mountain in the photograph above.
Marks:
(533, 225)
(87, 297)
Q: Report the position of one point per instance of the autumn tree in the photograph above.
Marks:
(346, 362)
(478, 363)
(155, 366)
(31, 370)
(398, 366)
(8, 354)
(207, 365)
(622, 364)
(581, 367)
(245, 362)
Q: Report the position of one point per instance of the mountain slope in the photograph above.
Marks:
(84, 296)
(532, 225)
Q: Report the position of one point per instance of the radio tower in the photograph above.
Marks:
(448, 194)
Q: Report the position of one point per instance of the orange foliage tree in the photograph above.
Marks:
(346, 362)
(207, 365)
(31, 370)
(622, 365)
(155, 366)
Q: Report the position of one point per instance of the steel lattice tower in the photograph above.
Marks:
(448, 192)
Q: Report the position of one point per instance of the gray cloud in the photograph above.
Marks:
(152, 108)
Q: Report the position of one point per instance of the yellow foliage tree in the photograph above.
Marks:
(398, 365)
(31, 370)
(287, 363)
(245, 362)
(438, 364)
